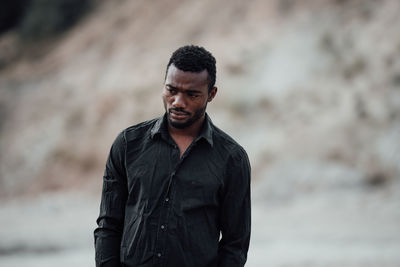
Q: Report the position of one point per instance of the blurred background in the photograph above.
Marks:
(311, 89)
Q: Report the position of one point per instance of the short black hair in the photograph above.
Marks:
(194, 59)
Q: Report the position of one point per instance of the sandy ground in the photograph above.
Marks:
(361, 228)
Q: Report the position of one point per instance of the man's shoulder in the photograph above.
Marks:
(139, 130)
(222, 139)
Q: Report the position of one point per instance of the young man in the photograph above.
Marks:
(176, 189)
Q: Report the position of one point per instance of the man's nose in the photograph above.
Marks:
(179, 101)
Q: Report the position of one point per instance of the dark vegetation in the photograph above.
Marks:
(38, 19)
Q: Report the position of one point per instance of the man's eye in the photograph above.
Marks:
(193, 95)
(171, 91)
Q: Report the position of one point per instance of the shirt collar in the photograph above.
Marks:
(206, 131)
(160, 128)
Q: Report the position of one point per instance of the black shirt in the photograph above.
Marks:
(160, 209)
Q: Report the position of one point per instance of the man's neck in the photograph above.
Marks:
(184, 137)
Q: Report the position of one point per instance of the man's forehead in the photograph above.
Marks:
(174, 74)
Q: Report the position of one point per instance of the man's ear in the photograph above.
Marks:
(212, 94)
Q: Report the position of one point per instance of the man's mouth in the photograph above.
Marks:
(178, 115)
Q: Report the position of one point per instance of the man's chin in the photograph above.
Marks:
(180, 124)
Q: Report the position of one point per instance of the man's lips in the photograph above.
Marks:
(178, 114)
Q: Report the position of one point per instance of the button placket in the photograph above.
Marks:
(168, 203)
(163, 223)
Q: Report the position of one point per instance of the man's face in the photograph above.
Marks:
(185, 96)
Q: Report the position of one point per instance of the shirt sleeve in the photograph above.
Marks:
(235, 220)
(107, 236)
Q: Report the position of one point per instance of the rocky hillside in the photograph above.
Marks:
(310, 88)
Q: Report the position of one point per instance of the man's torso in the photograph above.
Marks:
(173, 204)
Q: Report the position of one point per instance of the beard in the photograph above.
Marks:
(192, 119)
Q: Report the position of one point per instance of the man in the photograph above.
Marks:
(176, 189)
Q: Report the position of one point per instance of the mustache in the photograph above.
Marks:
(181, 110)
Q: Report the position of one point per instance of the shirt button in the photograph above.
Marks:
(159, 255)
(167, 199)
(162, 227)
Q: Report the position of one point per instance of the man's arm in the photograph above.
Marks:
(107, 236)
(235, 214)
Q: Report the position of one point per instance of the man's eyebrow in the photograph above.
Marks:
(190, 91)
(171, 86)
